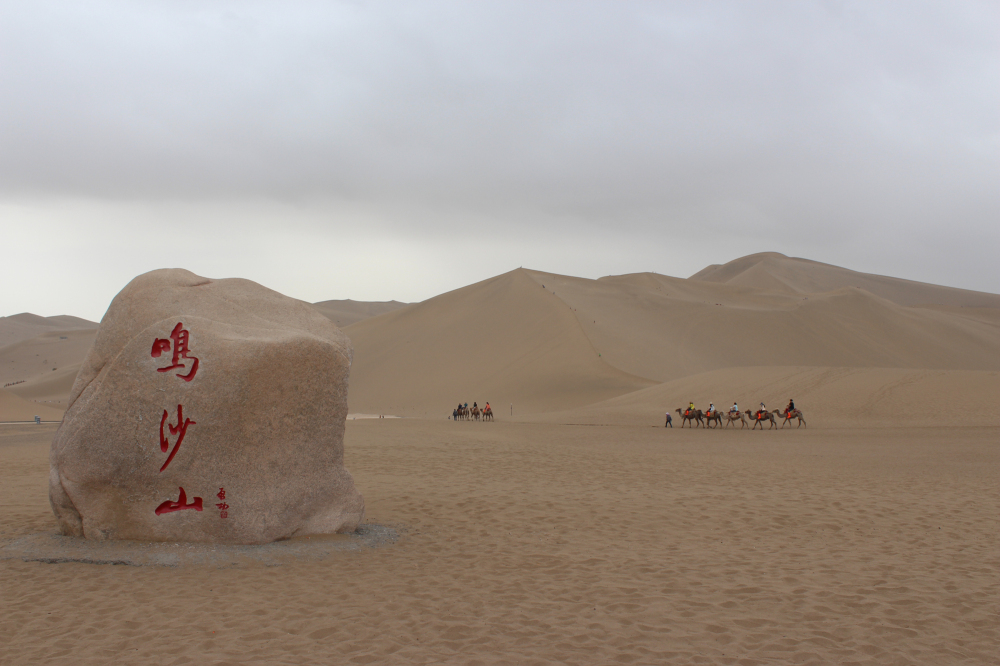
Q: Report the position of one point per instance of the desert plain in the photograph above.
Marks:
(576, 528)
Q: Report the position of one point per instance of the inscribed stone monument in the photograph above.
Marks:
(207, 410)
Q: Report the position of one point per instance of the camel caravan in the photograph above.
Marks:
(464, 413)
(715, 418)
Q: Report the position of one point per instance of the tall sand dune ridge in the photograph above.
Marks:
(527, 337)
(548, 343)
(505, 340)
(773, 271)
(663, 328)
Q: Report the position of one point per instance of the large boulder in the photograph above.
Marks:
(207, 410)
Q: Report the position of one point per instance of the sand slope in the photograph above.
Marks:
(664, 328)
(503, 340)
(38, 357)
(773, 271)
(16, 408)
(549, 342)
(26, 325)
(47, 365)
(828, 397)
(658, 328)
(346, 312)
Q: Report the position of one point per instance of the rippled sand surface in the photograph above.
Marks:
(543, 543)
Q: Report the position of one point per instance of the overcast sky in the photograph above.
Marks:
(382, 151)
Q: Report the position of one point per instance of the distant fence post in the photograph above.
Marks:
(38, 420)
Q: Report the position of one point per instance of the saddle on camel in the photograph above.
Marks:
(713, 416)
(690, 415)
(792, 413)
(761, 416)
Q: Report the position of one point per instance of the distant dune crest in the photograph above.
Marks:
(346, 312)
(26, 325)
(772, 271)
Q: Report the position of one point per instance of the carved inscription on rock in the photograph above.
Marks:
(179, 344)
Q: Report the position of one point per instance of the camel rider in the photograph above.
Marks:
(690, 408)
(790, 408)
(475, 405)
(760, 412)
(487, 406)
(735, 409)
(711, 408)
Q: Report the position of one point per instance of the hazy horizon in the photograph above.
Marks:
(395, 152)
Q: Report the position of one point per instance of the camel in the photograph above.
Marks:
(487, 413)
(736, 416)
(758, 420)
(794, 414)
(713, 416)
(475, 413)
(695, 415)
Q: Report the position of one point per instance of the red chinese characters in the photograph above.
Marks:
(223, 507)
(179, 341)
(180, 430)
(180, 505)
(179, 344)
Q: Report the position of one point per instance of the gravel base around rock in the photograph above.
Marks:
(53, 548)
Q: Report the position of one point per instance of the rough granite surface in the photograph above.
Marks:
(206, 411)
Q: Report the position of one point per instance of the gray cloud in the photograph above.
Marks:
(831, 125)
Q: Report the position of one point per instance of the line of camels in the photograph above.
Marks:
(758, 418)
(467, 414)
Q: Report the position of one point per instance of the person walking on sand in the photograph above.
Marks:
(670, 421)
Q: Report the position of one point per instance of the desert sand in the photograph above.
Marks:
(539, 543)
(41, 369)
(579, 529)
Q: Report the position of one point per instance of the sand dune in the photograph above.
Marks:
(346, 312)
(44, 367)
(26, 325)
(664, 328)
(38, 357)
(547, 342)
(545, 339)
(869, 537)
(15, 408)
(828, 397)
(772, 271)
(504, 340)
